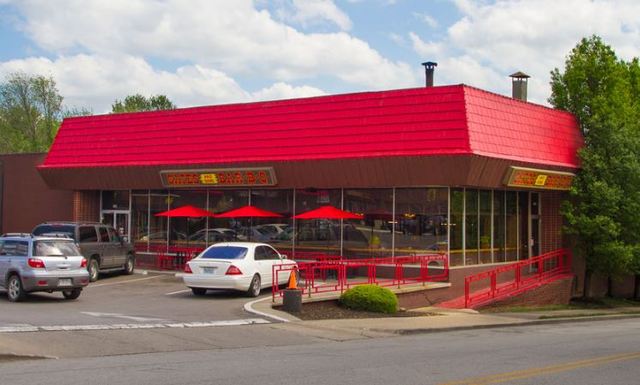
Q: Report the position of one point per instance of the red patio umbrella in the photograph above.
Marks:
(187, 211)
(328, 212)
(249, 212)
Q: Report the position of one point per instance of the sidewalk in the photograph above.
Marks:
(445, 320)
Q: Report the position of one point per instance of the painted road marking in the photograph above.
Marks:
(128, 317)
(237, 322)
(178, 292)
(537, 372)
(127, 281)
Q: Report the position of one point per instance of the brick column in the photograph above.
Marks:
(86, 206)
(551, 234)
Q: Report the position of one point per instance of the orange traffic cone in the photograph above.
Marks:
(293, 282)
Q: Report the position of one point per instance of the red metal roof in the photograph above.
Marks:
(446, 120)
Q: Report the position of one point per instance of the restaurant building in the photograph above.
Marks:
(451, 169)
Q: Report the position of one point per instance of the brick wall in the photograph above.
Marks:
(86, 206)
(551, 221)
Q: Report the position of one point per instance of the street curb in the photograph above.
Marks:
(503, 325)
(248, 307)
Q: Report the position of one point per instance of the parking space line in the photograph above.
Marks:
(127, 281)
(174, 325)
(178, 292)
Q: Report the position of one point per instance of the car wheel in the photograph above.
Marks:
(71, 294)
(15, 292)
(254, 288)
(130, 265)
(198, 291)
(93, 267)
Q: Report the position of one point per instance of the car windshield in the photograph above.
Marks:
(65, 230)
(55, 248)
(225, 252)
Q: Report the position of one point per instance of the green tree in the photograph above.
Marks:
(30, 113)
(604, 210)
(137, 102)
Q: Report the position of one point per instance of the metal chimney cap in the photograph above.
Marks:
(519, 75)
(430, 64)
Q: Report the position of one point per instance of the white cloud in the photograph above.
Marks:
(427, 19)
(232, 36)
(318, 11)
(96, 81)
(498, 38)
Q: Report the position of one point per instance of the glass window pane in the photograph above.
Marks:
(157, 235)
(485, 226)
(115, 200)
(512, 225)
(456, 227)
(274, 231)
(372, 236)
(186, 232)
(523, 215)
(471, 227)
(421, 221)
(140, 219)
(317, 235)
(498, 226)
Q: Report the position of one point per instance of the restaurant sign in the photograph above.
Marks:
(221, 177)
(539, 179)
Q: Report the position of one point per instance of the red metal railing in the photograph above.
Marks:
(516, 278)
(336, 274)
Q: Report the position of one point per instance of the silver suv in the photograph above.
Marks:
(102, 246)
(29, 264)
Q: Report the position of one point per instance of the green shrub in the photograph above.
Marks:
(370, 298)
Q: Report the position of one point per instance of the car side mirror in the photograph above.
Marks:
(284, 256)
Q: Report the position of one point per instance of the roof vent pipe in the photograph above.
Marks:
(429, 67)
(519, 85)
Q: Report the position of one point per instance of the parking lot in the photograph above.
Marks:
(139, 300)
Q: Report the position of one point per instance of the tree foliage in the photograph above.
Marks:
(30, 113)
(603, 92)
(137, 102)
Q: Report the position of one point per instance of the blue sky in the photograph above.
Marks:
(204, 52)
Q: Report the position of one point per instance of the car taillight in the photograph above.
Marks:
(35, 263)
(232, 270)
(83, 263)
(187, 269)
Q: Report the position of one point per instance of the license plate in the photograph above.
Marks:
(209, 270)
(65, 282)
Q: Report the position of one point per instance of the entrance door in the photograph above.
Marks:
(119, 219)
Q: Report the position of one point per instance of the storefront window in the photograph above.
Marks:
(317, 235)
(471, 227)
(187, 231)
(456, 227)
(115, 200)
(498, 226)
(274, 231)
(373, 236)
(512, 225)
(485, 226)
(226, 229)
(523, 215)
(159, 201)
(140, 219)
(421, 221)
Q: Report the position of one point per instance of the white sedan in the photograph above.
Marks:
(242, 266)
